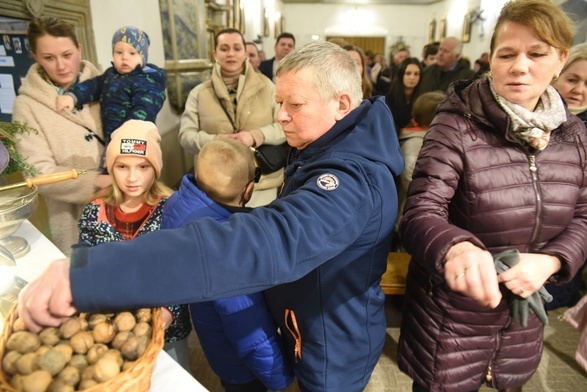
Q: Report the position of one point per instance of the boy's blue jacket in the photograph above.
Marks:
(319, 251)
(238, 334)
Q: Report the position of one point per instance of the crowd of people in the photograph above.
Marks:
(278, 272)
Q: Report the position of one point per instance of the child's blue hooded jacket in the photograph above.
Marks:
(238, 334)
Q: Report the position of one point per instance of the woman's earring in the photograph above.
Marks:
(555, 77)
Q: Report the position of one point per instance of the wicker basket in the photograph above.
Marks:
(136, 378)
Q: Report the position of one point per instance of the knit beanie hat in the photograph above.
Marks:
(136, 138)
(135, 37)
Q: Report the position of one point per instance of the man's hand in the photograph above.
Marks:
(64, 102)
(47, 301)
(470, 270)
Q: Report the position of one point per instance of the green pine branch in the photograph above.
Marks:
(9, 136)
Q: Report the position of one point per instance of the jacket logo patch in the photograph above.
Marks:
(133, 146)
(328, 182)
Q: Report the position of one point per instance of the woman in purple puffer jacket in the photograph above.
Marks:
(502, 167)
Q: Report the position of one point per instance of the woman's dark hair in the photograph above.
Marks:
(400, 107)
(397, 90)
(48, 25)
(229, 30)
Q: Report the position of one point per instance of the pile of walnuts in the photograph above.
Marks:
(85, 351)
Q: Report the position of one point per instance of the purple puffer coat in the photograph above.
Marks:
(473, 183)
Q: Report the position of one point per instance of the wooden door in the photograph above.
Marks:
(375, 44)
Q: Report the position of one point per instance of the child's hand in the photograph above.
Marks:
(64, 102)
(167, 317)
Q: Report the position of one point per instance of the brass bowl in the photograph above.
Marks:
(16, 205)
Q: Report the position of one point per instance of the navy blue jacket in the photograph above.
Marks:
(137, 95)
(319, 250)
(266, 68)
(237, 334)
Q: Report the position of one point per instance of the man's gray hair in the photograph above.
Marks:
(333, 68)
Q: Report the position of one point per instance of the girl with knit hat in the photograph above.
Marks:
(132, 206)
(131, 89)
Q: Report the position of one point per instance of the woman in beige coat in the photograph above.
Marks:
(248, 98)
(63, 141)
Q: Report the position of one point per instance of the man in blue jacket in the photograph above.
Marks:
(318, 251)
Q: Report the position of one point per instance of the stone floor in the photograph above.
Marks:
(558, 371)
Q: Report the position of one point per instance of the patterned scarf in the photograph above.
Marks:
(534, 127)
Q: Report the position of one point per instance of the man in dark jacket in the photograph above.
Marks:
(319, 250)
(286, 42)
(448, 68)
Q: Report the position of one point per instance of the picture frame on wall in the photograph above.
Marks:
(210, 42)
(243, 19)
(265, 17)
(432, 30)
(466, 35)
(443, 28)
(277, 28)
(237, 22)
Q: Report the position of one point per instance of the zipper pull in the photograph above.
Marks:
(488, 376)
(533, 167)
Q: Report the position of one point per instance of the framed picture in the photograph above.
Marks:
(242, 19)
(466, 35)
(432, 31)
(265, 17)
(443, 28)
(210, 44)
(277, 29)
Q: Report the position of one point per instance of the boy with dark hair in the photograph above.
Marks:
(285, 43)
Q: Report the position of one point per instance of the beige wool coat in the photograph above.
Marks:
(204, 118)
(60, 144)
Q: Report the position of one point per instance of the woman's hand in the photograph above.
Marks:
(470, 270)
(64, 102)
(244, 137)
(530, 273)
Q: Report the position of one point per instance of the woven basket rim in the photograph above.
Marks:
(136, 378)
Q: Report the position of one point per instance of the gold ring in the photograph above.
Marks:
(459, 276)
(522, 290)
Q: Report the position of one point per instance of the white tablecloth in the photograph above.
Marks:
(167, 374)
